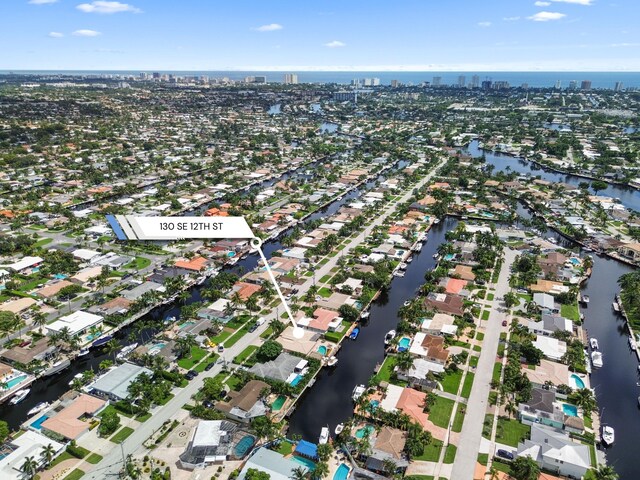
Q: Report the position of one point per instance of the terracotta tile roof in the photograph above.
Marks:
(195, 264)
(391, 441)
(68, 421)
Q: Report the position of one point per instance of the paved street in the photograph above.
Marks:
(112, 463)
(471, 435)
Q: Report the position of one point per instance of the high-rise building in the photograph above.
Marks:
(475, 81)
(376, 82)
(462, 80)
(156, 75)
(437, 81)
(395, 83)
(345, 96)
(290, 79)
(260, 79)
(558, 84)
(573, 84)
(585, 85)
(486, 84)
(500, 85)
(619, 86)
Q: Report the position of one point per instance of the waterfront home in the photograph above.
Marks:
(548, 286)
(274, 464)
(552, 264)
(77, 323)
(445, 302)
(118, 305)
(139, 290)
(335, 301)
(430, 347)
(387, 444)
(51, 290)
(24, 355)
(547, 372)
(543, 408)
(215, 441)
(465, 272)
(630, 250)
(217, 311)
(549, 324)
(552, 348)
(454, 286)
(73, 417)
(15, 450)
(554, 451)
(439, 324)
(284, 368)
(545, 302)
(323, 321)
(351, 285)
(419, 370)
(195, 264)
(311, 344)
(86, 275)
(25, 265)
(246, 404)
(115, 383)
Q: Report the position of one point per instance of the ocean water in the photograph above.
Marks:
(534, 79)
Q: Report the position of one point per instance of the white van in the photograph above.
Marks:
(260, 321)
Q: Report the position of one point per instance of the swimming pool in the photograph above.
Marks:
(449, 256)
(404, 344)
(364, 431)
(570, 410)
(575, 260)
(305, 462)
(155, 348)
(296, 380)
(185, 324)
(231, 254)
(59, 276)
(322, 350)
(576, 382)
(243, 446)
(16, 380)
(374, 404)
(342, 473)
(278, 403)
(37, 424)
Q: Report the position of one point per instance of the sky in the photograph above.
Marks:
(298, 35)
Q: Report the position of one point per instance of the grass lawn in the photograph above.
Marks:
(267, 333)
(487, 426)
(43, 241)
(335, 337)
(420, 477)
(233, 382)
(285, 448)
(236, 336)
(246, 353)
(74, 475)
(325, 279)
(61, 458)
(121, 435)
(197, 354)
(94, 458)
(497, 370)
(458, 419)
(485, 315)
(477, 348)
(571, 312)
(468, 382)
(473, 361)
(440, 412)
(222, 336)
(324, 292)
(167, 398)
(510, 432)
(479, 336)
(490, 297)
(451, 382)
(112, 408)
(138, 263)
(143, 418)
(501, 466)
(483, 458)
(432, 452)
(450, 454)
(387, 368)
(205, 361)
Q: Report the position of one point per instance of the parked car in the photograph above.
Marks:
(505, 454)
(207, 404)
(220, 348)
(209, 366)
(504, 323)
(253, 327)
(260, 321)
(191, 374)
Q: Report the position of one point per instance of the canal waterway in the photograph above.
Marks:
(628, 197)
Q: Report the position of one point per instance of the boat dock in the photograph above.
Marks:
(632, 334)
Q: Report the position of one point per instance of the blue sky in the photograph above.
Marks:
(356, 35)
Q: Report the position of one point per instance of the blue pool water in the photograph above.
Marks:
(575, 381)
(322, 350)
(342, 473)
(570, 410)
(16, 380)
(59, 276)
(296, 380)
(364, 431)
(449, 256)
(404, 344)
(37, 424)
(93, 336)
(574, 260)
(243, 446)
(305, 462)
(231, 254)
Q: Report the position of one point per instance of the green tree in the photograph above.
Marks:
(46, 454)
(109, 423)
(29, 467)
(269, 350)
(253, 474)
(4, 431)
(605, 472)
(524, 468)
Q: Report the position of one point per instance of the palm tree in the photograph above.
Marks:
(389, 466)
(524, 468)
(299, 473)
(29, 467)
(605, 472)
(321, 470)
(112, 347)
(46, 454)
(39, 320)
(404, 361)
(184, 344)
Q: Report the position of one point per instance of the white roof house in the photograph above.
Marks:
(29, 444)
(24, 263)
(391, 398)
(552, 348)
(77, 322)
(85, 254)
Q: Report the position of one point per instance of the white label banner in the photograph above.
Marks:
(173, 228)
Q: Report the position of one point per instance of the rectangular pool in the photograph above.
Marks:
(37, 424)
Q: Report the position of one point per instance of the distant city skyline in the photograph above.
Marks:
(289, 36)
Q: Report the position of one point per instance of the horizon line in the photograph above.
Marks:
(309, 70)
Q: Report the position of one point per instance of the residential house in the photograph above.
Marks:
(445, 302)
(245, 405)
(430, 347)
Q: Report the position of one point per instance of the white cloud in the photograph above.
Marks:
(104, 7)
(335, 44)
(620, 45)
(86, 33)
(41, 2)
(542, 4)
(271, 27)
(56, 34)
(511, 19)
(484, 24)
(577, 2)
(546, 16)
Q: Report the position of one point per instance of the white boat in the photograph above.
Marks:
(19, 396)
(365, 315)
(593, 341)
(398, 273)
(77, 376)
(584, 299)
(83, 352)
(632, 343)
(616, 307)
(333, 361)
(596, 359)
(391, 334)
(403, 266)
(406, 303)
(324, 435)
(552, 240)
(339, 428)
(417, 247)
(126, 351)
(38, 408)
(357, 392)
(608, 435)
(436, 221)
(409, 260)
(57, 367)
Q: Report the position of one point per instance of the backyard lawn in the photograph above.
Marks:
(387, 368)
(571, 312)
(440, 412)
(121, 435)
(510, 432)
(197, 354)
(451, 381)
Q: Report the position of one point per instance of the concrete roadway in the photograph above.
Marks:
(471, 434)
(111, 464)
